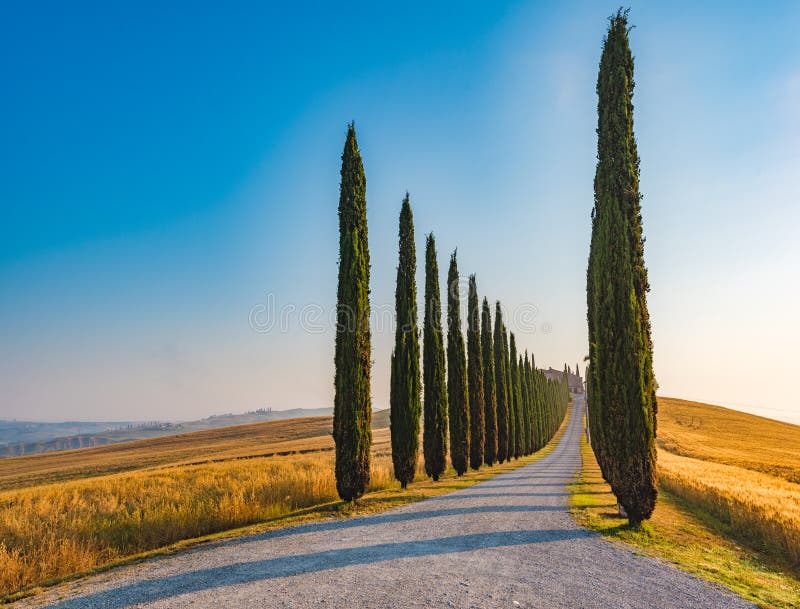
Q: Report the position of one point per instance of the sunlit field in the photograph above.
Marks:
(51, 531)
(729, 508)
(762, 508)
(742, 468)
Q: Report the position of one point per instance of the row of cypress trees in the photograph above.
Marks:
(494, 402)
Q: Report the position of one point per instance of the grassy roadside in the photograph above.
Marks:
(688, 537)
(373, 502)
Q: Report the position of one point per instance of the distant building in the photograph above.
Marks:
(574, 381)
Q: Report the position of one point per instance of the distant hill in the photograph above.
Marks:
(29, 432)
(19, 438)
(252, 440)
(35, 438)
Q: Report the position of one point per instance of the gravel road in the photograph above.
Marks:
(508, 542)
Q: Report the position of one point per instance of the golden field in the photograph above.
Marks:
(743, 469)
(63, 528)
(721, 435)
(68, 523)
(729, 506)
(67, 512)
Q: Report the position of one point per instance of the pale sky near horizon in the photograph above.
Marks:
(169, 177)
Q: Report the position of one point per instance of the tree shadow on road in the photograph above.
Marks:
(149, 591)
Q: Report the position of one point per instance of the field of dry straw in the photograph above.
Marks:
(743, 469)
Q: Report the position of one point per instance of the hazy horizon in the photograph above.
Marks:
(170, 180)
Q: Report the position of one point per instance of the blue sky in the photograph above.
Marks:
(167, 169)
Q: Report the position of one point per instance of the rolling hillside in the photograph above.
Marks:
(18, 438)
(729, 437)
(290, 436)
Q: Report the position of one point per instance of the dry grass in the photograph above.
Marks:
(52, 531)
(741, 468)
(762, 509)
(224, 443)
(721, 435)
(692, 539)
(724, 475)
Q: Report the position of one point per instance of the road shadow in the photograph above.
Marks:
(149, 591)
(460, 497)
(393, 517)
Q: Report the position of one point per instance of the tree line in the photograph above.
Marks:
(488, 400)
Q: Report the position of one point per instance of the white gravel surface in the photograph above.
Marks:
(508, 542)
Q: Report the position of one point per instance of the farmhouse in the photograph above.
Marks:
(574, 381)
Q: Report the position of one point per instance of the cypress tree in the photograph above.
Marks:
(622, 404)
(511, 397)
(516, 390)
(529, 406)
(352, 411)
(500, 384)
(457, 393)
(404, 397)
(434, 434)
(538, 378)
(523, 387)
(475, 373)
(489, 387)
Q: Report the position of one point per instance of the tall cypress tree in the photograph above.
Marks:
(511, 397)
(352, 411)
(500, 385)
(434, 434)
(538, 405)
(489, 386)
(457, 393)
(404, 397)
(475, 373)
(523, 390)
(622, 404)
(528, 406)
(516, 390)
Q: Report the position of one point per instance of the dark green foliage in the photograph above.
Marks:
(475, 374)
(622, 405)
(404, 396)
(510, 397)
(352, 412)
(500, 373)
(516, 391)
(529, 406)
(538, 405)
(457, 393)
(489, 387)
(523, 386)
(434, 434)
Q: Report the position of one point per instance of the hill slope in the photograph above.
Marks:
(729, 437)
(18, 438)
(290, 436)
